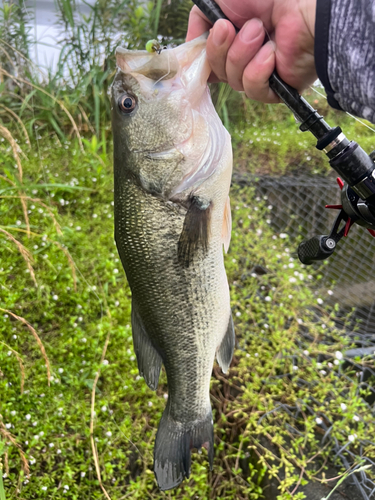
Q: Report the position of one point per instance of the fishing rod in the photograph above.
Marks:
(355, 167)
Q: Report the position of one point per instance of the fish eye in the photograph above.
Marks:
(126, 103)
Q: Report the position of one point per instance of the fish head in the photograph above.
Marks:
(152, 93)
(156, 117)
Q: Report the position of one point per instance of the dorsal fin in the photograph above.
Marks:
(227, 226)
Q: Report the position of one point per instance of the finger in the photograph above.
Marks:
(221, 38)
(257, 74)
(198, 24)
(240, 11)
(245, 46)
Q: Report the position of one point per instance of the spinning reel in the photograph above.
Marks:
(355, 167)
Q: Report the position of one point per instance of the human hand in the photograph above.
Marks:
(243, 61)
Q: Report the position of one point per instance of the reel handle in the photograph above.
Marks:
(316, 248)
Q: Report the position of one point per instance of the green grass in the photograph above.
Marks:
(48, 424)
(267, 140)
(88, 426)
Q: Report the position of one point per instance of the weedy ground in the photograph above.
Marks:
(77, 421)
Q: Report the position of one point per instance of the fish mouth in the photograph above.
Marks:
(183, 66)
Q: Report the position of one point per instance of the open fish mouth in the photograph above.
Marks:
(184, 66)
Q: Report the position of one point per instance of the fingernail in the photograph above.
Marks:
(251, 30)
(220, 32)
(266, 52)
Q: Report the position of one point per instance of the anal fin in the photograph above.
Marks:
(225, 351)
(149, 360)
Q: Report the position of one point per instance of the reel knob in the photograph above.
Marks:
(316, 248)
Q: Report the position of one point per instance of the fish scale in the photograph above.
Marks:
(172, 172)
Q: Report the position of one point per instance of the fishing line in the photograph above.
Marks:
(325, 97)
(169, 70)
(352, 116)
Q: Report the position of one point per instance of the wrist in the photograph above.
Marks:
(308, 12)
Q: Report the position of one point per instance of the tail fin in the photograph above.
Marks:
(173, 445)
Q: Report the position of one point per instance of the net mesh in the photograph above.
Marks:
(347, 279)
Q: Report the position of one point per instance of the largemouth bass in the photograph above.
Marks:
(172, 173)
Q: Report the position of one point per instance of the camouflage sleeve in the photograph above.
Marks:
(345, 54)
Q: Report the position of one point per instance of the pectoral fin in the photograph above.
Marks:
(195, 232)
(227, 226)
(225, 352)
(149, 360)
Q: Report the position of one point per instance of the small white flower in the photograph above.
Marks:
(283, 236)
(84, 340)
(238, 314)
(299, 321)
(51, 445)
(61, 370)
(356, 418)
(256, 354)
(115, 271)
(165, 395)
(268, 299)
(103, 408)
(351, 437)
(66, 487)
(295, 368)
(306, 353)
(319, 301)
(323, 372)
(338, 355)
(83, 474)
(105, 362)
(8, 426)
(336, 362)
(329, 292)
(41, 433)
(55, 297)
(318, 420)
(44, 488)
(108, 433)
(290, 296)
(58, 451)
(292, 280)
(343, 406)
(18, 223)
(117, 303)
(28, 416)
(149, 403)
(94, 216)
(291, 265)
